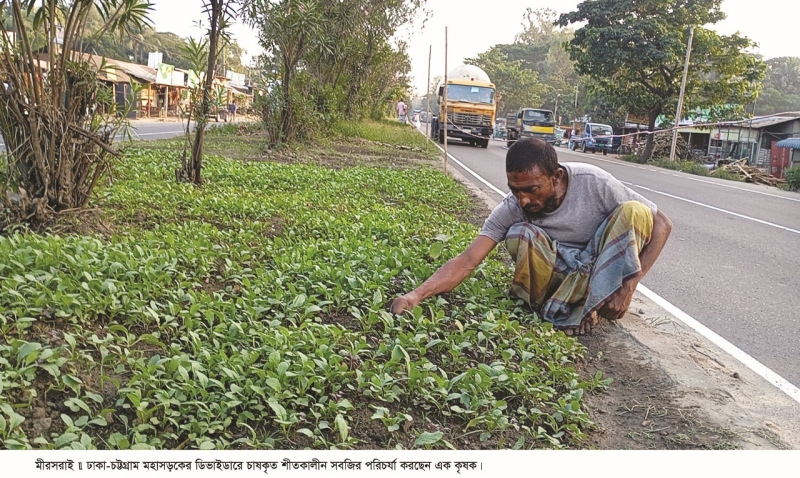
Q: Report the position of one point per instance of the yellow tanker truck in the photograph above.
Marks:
(471, 107)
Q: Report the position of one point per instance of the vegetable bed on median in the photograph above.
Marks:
(252, 313)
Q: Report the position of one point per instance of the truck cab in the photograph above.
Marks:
(469, 114)
(531, 123)
(592, 137)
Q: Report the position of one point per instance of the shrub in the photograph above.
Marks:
(58, 128)
(666, 164)
(692, 167)
(793, 178)
(725, 174)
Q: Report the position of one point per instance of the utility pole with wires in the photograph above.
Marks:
(679, 113)
(444, 131)
(555, 113)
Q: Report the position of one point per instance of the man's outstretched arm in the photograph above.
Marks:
(616, 305)
(449, 276)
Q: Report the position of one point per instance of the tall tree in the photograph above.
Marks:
(634, 52)
(539, 48)
(331, 59)
(516, 86)
(220, 14)
(287, 28)
(781, 87)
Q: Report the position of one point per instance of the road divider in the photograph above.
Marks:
(738, 354)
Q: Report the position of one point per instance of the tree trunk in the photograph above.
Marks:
(290, 60)
(286, 113)
(645, 155)
(194, 173)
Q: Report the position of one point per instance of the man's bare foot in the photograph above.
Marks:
(587, 324)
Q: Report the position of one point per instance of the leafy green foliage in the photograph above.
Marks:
(516, 86)
(541, 48)
(389, 132)
(204, 99)
(222, 317)
(793, 178)
(535, 70)
(58, 126)
(634, 53)
(352, 67)
(690, 167)
(781, 91)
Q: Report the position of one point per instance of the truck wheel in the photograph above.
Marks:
(484, 143)
(583, 147)
(605, 152)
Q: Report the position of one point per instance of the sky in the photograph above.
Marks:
(475, 25)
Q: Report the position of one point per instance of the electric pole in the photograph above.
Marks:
(444, 131)
(679, 113)
(428, 99)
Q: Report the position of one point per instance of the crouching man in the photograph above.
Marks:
(581, 240)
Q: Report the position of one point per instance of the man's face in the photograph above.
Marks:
(535, 191)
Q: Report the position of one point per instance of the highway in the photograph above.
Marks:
(145, 129)
(732, 261)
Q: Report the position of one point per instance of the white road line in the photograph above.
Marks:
(767, 223)
(762, 370)
(464, 166)
(691, 178)
(742, 189)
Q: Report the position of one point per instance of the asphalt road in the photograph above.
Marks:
(149, 129)
(144, 130)
(732, 261)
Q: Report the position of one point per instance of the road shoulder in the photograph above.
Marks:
(673, 388)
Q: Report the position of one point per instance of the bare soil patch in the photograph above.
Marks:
(275, 228)
(645, 408)
(641, 408)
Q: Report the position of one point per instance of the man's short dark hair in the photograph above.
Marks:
(529, 153)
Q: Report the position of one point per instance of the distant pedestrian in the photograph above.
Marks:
(232, 111)
(401, 111)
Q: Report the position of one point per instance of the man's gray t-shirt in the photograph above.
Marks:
(592, 195)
